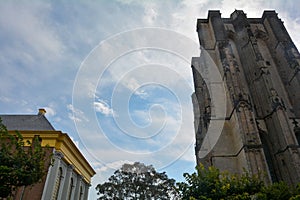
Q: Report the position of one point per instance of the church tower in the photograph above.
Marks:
(259, 67)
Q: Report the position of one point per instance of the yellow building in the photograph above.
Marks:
(69, 177)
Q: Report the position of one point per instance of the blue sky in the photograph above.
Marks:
(114, 75)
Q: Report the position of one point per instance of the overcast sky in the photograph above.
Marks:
(114, 75)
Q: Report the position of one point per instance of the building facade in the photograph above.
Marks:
(259, 65)
(69, 176)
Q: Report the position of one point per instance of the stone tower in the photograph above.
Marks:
(259, 68)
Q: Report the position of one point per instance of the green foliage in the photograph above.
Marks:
(19, 165)
(279, 191)
(137, 181)
(210, 184)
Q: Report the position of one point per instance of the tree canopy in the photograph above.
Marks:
(21, 164)
(210, 184)
(137, 181)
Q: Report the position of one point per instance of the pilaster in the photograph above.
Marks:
(52, 175)
(68, 188)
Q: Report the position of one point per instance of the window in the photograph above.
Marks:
(81, 193)
(71, 189)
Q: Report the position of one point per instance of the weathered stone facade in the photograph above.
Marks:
(259, 65)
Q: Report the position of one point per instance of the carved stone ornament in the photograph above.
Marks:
(58, 155)
(260, 34)
(277, 102)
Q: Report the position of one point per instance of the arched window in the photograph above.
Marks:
(71, 189)
(57, 184)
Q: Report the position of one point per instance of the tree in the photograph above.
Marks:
(137, 181)
(20, 164)
(210, 184)
(279, 191)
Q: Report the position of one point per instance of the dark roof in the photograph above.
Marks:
(26, 122)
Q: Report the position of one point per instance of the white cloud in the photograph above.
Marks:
(135, 87)
(49, 111)
(102, 107)
(150, 14)
(142, 115)
(75, 142)
(33, 37)
(6, 99)
(114, 165)
(76, 114)
(167, 130)
(293, 26)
